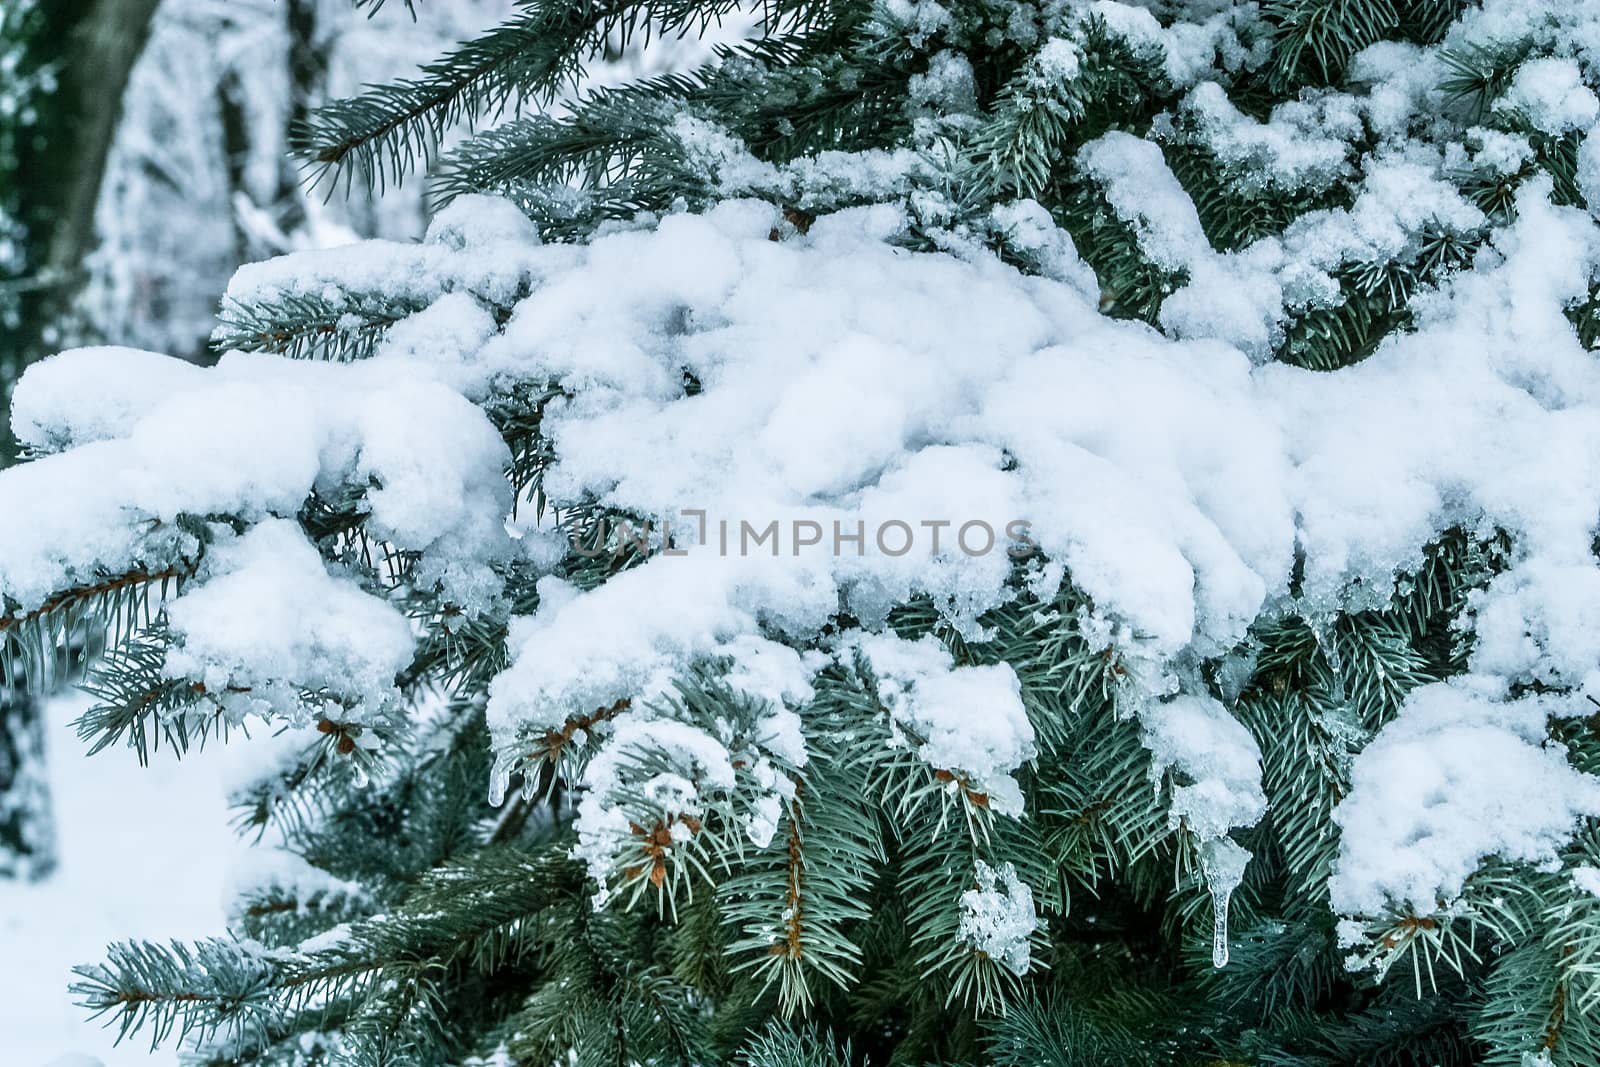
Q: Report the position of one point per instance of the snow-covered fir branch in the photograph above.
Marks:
(994, 528)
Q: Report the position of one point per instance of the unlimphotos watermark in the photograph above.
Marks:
(675, 536)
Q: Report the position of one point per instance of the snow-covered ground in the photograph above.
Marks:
(143, 854)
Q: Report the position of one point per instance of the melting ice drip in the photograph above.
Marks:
(500, 779)
(1223, 862)
(1327, 639)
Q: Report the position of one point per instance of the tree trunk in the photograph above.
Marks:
(102, 46)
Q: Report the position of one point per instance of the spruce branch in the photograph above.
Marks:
(794, 903)
(1479, 75)
(36, 645)
(518, 414)
(474, 913)
(310, 325)
(285, 915)
(1104, 818)
(387, 130)
(1040, 115)
(1238, 204)
(1527, 1012)
(1051, 1030)
(779, 1046)
(213, 988)
(1315, 38)
(137, 701)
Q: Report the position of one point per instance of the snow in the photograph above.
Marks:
(1587, 879)
(1058, 60)
(1550, 92)
(997, 918)
(455, 324)
(782, 677)
(257, 434)
(1460, 775)
(1588, 169)
(49, 411)
(1305, 144)
(407, 272)
(1195, 736)
(333, 937)
(1244, 297)
(1025, 225)
(948, 84)
(1501, 153)
(968, 720)
(659, 620)
(917, 20)
(1191, 45)
(305, 630)
(1145, 194)
(144, 852)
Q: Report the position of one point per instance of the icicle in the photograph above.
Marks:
(1327, 639)
(1219, 928)
(1223, 862)
(500, 778)
(530, 784)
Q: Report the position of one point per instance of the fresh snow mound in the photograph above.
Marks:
(1458, 777)
(959, 719)
(270, 620)
(871, 348)
(1196, 737)
(252, 438)
(49, 409)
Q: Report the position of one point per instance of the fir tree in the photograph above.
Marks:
(1265, 738)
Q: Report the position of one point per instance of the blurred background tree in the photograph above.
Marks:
(63, 68)
(143, 157)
